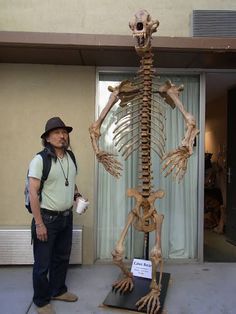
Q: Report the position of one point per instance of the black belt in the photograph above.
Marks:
(57, 212)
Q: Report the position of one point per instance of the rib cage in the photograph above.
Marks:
(140, 124)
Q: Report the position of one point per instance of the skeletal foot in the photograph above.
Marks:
(124, 285)
(151, 301)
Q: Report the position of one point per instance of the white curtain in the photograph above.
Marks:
(179, 235)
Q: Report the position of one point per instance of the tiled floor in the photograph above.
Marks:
(207, 288)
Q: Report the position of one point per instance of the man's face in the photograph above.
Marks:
(58, 138)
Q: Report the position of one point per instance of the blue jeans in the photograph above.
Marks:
(51, 258)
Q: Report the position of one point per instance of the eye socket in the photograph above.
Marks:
(139, 26)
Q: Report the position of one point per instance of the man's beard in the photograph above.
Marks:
(64, 145)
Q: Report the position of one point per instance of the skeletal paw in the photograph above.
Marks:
(124, 285)
(110, 163)
(176, 160)
(151, 301)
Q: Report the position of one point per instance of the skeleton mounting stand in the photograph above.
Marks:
(140, 127)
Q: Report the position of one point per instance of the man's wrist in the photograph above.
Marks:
(39, 225)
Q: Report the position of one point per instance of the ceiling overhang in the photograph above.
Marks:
(115, 50)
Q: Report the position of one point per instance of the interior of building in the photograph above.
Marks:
(218, 246)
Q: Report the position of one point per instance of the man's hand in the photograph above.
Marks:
(41, 232)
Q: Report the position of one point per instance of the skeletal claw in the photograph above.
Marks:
(151, 300)
(111, 164)
(178, 172)
(141, 303)
(166, 165)
(170, 170)
(181, 175)
(177, 159)
(123, 285)
(152, 303)
(170, 154)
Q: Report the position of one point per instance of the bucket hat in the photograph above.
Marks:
(55, 123)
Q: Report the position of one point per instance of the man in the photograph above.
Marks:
(52, 217)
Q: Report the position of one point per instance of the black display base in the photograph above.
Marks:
(141, 288)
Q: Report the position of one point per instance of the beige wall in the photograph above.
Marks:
(29, 95)
(101, 17)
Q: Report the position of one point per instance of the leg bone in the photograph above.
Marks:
(126, 283)
(151, 300)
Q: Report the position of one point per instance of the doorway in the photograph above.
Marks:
(217, 247)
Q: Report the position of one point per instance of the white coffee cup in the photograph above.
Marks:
(81, 205)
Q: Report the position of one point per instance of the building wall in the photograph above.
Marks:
(29, 96)
(101, 17)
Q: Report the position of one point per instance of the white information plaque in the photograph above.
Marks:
(142, 268)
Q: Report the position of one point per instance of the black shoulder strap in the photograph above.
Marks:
(72, 157)
(47, 163)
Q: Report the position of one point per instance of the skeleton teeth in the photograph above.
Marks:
(140, 41)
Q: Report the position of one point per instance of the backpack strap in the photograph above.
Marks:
(47, 163)
(73, 158)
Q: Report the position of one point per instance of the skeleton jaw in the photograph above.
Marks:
(143, 42)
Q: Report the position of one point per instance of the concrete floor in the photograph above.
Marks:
(217, 248)
(207, 288)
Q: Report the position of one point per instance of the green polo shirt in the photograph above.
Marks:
(55, 194)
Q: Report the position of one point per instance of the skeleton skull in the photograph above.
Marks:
(142, 27)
